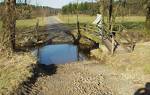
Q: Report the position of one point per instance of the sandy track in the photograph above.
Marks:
(57, 28)
(88, 78)
(71, 79)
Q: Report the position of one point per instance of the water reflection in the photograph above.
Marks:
(57, 54)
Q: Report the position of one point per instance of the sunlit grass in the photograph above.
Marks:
(89, 19)
(131, 19)
(13, 71)
(138, 59)
(30, 22)
(128, 21)
(72, 19)
(26, 23)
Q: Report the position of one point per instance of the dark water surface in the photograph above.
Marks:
(57, 54)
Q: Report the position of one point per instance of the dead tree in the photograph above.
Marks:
(9, 23)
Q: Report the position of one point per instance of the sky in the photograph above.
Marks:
(54, 3)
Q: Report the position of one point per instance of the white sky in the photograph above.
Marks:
(53, 3)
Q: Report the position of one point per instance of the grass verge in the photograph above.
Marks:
(138, 59)
(128, 21)
(14, 70)
(17, 68)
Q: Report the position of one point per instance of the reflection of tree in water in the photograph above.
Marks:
(143, 91)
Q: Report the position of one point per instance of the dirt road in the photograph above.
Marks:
(72, 79)
(57, 28)
(87, 78)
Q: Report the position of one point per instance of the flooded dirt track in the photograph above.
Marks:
(81, 78)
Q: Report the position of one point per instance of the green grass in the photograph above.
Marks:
(27, 23)
(129, 21)
(30, 22)
(90, 19)
(72, 19)
(134, 24)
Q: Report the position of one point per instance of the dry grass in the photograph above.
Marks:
(13, 71)
(17, 67)
(139, 59)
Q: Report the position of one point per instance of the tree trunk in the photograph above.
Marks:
(10, 23)
(25, 2)
(110, 13)
(148, 15)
